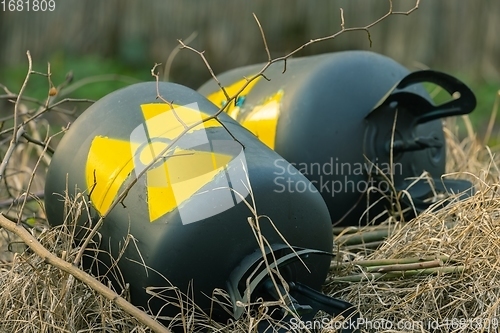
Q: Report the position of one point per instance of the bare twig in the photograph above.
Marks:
(69, 268)
(73, 270)
(230, 99)
(387, 262)
(38, 143)
(30, 181)
(175, 51)
(405, 267)
(21, 91)
(93, 79)
(284, 58)
(14, 201)
(159, 96)
(493, 117)
(52, 91)
(202, 55)
(43, 110)
(397, 274)
(364, 237)
(19, 132)
(264, 68)
(263, 37)
(38, 112)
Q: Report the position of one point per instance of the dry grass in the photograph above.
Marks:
(467, 232)
(472, 242)
(37, 297)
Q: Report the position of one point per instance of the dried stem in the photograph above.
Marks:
(14, 201)
(30, 181)
(69, 268)
(398, 275)
(405, 267)
(18, 132)
(173, 54)
(284, 58)
(263, 37)
(385, 262)
(21, 91)
(493, 117)
(230, 99)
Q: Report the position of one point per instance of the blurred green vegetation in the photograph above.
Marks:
(486, 92)
(95, 77)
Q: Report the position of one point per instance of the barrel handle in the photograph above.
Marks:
(464, 100)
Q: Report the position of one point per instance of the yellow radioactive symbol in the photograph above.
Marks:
(173, 174)
(261, 120)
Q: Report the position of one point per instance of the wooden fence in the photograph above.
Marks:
(459, 36)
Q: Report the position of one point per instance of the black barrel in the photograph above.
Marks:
(193, 190)
(357, 124)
